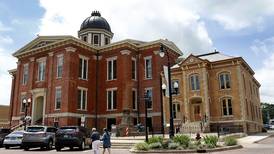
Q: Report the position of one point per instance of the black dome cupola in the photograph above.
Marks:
(95, 30)
(95, 21)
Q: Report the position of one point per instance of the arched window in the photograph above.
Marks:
(194, 82)
(224, 80)
(227, 106)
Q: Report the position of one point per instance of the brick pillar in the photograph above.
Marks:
(49, 103)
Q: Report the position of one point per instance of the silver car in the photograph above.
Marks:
(13, 139)
(39, 136)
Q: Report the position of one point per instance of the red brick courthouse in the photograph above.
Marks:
(90, 80)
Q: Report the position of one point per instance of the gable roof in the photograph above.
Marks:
(214, 56)
(39, 42)
(44, 42)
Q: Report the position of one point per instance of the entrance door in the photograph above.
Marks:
(37, 118)
(197, 113)
(110, 121)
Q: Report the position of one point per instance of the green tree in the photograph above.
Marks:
(267, 112)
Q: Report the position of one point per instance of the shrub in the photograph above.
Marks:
(155, 139)
(173, 145)
(156, 145)
(192, 145)
(210, 141)
(141, 146)
(229, 141)
(166, 143)
(183, 140)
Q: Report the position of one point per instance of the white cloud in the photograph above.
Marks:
(7, 62)
(4, 28)
(5, 40)
(237, 15)
(263, 47)
(265, 74)
(136, 19)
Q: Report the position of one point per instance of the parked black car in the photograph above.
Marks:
(72, 136)
(3, 133)
(39, 136)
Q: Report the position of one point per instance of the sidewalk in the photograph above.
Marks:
(255, 138)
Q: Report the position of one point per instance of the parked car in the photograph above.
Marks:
(72, 136)
(267, 126)
(13, 139)
(39, 136)
(3, 133)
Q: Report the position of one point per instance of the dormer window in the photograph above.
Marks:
(95, 39)
(106, 41)
(85, 38)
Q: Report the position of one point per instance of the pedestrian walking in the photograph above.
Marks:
(106, 141)
(95, 139)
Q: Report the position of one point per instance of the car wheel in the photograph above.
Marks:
(49, 146)
(7, 147)
(90, 146)
(70, 148)
(26, 148)
(58, 148)
(82, 146)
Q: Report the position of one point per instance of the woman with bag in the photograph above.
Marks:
(106, 141)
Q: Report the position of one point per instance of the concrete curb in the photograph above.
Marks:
(272, 135)
(188, 151)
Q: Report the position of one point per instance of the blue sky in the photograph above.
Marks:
(238, 28)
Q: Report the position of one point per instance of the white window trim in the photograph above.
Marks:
(57, 62)
(135, 77)
(59, 87)
(81, 103)
(229, 76)
(111, 89)
(227, 109)
(82, 72)
(148, 58)
(150, 88)
(25, 82)
(195, 83)
(41, 60)
(134, 89)
(98, 39)
(111, 59)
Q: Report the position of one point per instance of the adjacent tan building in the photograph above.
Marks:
(4, 116)
(215, 91)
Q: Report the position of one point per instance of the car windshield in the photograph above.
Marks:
(17, 133)
(35, 129)
(68, 129)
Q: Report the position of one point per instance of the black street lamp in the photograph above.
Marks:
(147, 99)
(26, 102)
(162, 54)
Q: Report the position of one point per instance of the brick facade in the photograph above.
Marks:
(96, 113)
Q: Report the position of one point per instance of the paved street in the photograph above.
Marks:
(266, 146)
(38, 151)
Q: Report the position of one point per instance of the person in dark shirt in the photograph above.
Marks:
(95, 139)
(106, 141)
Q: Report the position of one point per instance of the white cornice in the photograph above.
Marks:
(70, 49)
(125, 52)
